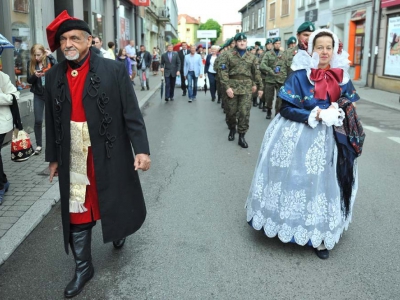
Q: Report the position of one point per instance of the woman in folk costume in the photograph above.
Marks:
(93, 121)
(305, 182)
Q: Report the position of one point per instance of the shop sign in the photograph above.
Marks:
(392, 58)
(389, 3)
(358, 14)
(273, 33)
(141, 2)
(311, 15)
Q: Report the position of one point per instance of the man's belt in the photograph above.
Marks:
(239, 77)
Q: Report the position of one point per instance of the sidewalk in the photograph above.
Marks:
(31, 195)
(390, 100)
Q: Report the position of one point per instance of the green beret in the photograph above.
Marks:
(261, 47)
(291, 40)
(269, 41)
(306, 26)
(277, 39)
(258, 43)
(240, 36)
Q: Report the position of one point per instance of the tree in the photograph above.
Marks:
(211, 24)
(175, 41)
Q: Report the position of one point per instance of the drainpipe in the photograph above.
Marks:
(265, 19)
(377, 45)
(371, 36)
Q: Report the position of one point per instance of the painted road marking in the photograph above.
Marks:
(372, 128)
(393, 138)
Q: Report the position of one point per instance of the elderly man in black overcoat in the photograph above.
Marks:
(92, 115)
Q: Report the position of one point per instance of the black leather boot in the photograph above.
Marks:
(269, 113)
(242, 142)
(81, 249)
(255, 101)
(231, 136)
(260, 105)
(119, 244)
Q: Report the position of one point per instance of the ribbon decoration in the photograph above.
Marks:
(327, 81)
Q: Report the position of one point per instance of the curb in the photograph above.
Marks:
(39, 210)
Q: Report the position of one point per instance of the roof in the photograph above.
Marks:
(189, 19)
(233, 23)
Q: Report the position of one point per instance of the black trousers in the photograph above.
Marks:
(3, 177)
(183, 81)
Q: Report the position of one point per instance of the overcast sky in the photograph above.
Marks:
(223, 11)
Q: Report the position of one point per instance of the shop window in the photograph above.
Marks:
(21, 23)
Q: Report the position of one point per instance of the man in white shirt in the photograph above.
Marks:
(98, 43)
(131, 53)
(193, 68)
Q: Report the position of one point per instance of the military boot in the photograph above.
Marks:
(264, 109)
(81, 249)
(231, 136)
(269, 113)
(242, 142)
(255, 101)
(260, 105)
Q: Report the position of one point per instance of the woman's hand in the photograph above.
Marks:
(48, 52)
(39, 74)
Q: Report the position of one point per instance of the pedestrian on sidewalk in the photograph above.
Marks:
(155, 64)
(41, 61)
(210, 71)
(111, 50)
(193, 69)
(143, 65)
(125, 60)
(131, 53)
(170, 66)
(7, 90)
(93, 121)
(305, 181)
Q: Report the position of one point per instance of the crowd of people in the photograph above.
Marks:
(305, 181)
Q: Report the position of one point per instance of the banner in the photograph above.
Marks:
(141, 2)
(392, 58)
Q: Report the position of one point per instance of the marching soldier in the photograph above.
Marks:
(273, 65)
(303, 33)
(229, 45)
(240, 76)
(268, 47)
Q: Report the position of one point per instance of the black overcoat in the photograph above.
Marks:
(115, 126)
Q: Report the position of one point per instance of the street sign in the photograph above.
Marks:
(210, 34)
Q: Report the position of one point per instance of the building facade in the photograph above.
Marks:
(253, 19)
(230, 29)
(187, 28)
(280, 19)
(384, 67)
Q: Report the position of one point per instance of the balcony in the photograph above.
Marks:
(163, 14)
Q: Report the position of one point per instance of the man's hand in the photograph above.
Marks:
(53, 167)
(260, 93)
(142, 162)
(201, 75)
(178, 73)
(161, 69)
(254, 89)
(229, 92)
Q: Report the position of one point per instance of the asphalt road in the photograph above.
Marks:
(196, 244)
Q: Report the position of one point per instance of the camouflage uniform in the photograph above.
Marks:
(224, 96)
(262, 100)
(240, 73)
(275, 69)
(288, 55)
